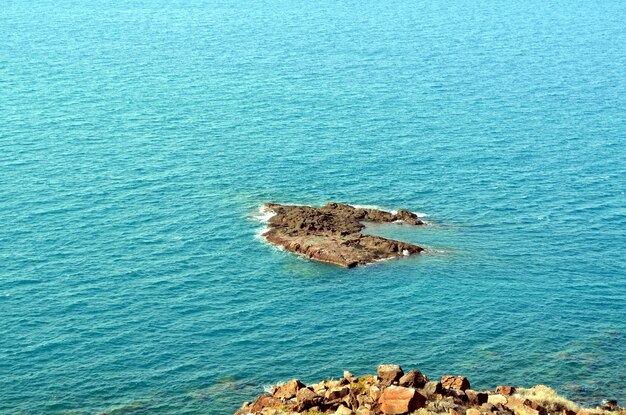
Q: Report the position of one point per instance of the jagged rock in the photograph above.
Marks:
(337, 393)
(488, 407)
(476, 398)
(332, 233)
(342, 410)
(367, 395)
(287, 390)
(497, 399)
(459, 396)
(523, 406)
(348, 376)
(397, 400)
(306, 398)
(455, 382)
(350, 400)
(505, 390)
(265, 401)
(375, 393)
(389, 374)
(413, 379)
(432, 389)
(442, 405)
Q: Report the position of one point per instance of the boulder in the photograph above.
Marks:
(337, 393)
(306, 398)
(348, 376)
(505, 390)
(375, 393)
(397, 400)
(389, 374)
(488, 407)
(455, 382)
(364, 411)
(476, 398)
(287, 390)
(343, 410)
(459, 396)
(497, 399)
(413, 379)
(265, 401)
(441, 406)
(432, 389)
(472, 411)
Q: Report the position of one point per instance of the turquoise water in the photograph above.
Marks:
(138, 138)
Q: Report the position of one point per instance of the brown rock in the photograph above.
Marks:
(497, 399)
(337, 393)
(307, 398)
(342, 410)
(525, 410)
(364, 411)
(453, 412)
(265, 401)
(505, 390)
(472, 411)
(287, 390)
(488, 407)
(455, 382)
(441, 406)
(476, 398)
(514, 400)
(397, 400)
(332, 233)
(459, 396)
(568, 412)
(245, 409)
(375, 393)
(413, 379)
(432, 389)
(389, 374)
(367, 401)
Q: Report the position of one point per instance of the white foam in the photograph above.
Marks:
(393, 212)
(406, 252)
(264, 214)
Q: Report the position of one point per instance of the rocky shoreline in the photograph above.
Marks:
(332, 233)
(393, 392)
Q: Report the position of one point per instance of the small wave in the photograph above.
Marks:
(392, 211)
(263, 214)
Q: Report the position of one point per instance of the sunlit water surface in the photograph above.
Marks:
(138, 139)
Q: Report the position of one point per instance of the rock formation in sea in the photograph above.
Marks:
(332, 233)
(393, 392)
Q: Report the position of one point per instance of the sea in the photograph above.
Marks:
(139, 140)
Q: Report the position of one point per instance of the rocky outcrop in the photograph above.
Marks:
(332, 233)
(392, 392)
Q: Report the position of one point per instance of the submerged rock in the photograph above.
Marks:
(332, 233)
